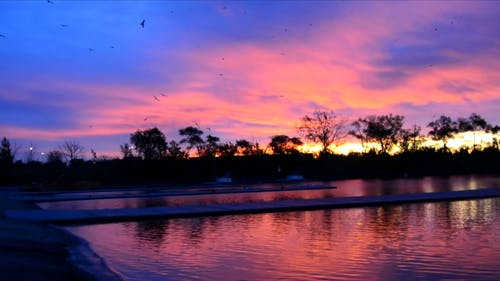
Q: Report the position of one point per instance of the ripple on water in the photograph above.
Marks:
(409, 242)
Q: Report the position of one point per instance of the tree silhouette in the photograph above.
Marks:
(6, 155)
(55, 156)
(283, 144)
(175, 151)
(473, 123)
(246, 148)
(150, 143)
(192, 136)
(385, 130)
(227, 149)
(323, 127)
(410, 139)
(71, 150)
(494, 131)
(442, 129)
(243, 147)
(211, 147)
(126, 151)
(359, 133)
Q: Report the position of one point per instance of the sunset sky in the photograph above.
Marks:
(87, 71)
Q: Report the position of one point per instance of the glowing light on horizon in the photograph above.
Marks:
(249, 78)
(459, 141)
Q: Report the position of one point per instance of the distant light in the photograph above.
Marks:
(43, 153)
(31, 147)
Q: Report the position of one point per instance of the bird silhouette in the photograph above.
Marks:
(163, 95)
(156, 98)
(1, 35)
(63, 25)
(50, 2)
(91, 50)
(142, 23)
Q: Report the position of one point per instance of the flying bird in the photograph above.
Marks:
(156, 98)
(63, 25)
(163, 95)
(50, 2)
(142, 23)
(1, 35)
(91, 50)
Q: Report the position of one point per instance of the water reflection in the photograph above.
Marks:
(345, 188)
(432, 241)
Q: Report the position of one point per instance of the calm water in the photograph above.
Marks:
(432, 241)
(345, 188)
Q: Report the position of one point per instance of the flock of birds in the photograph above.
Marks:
(157, 98)
(142, 24)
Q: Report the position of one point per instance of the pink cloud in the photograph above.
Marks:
(247, 89)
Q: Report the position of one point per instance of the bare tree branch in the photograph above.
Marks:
(323, 127)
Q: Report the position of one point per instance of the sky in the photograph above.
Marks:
(87, 71)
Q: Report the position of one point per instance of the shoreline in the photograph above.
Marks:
(89, 216)
(34, 249)
(40, 251)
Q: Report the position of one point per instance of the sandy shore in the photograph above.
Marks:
(39, 251)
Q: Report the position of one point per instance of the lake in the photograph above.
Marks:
(430, 241)
(344, 188)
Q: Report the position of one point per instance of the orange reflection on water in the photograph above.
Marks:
(453, 240)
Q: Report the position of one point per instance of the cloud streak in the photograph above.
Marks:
(244, 70)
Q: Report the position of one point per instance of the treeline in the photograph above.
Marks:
(248, 169)
(390, 150)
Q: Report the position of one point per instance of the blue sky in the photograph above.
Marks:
(87, 71)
